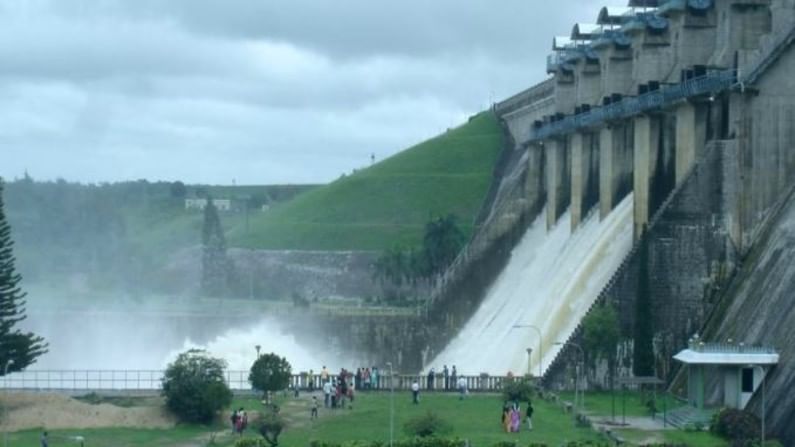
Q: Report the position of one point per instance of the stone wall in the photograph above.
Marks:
(758, 309)
(283, 274)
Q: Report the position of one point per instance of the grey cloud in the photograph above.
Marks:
(259, 91)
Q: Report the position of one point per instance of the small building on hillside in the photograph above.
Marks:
(201, 203)
(740, 369)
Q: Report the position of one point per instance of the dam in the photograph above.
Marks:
(675, 118)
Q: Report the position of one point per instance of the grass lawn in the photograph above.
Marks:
(476, 418)
(632, 403)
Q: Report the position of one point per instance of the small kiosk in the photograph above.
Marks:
(741, 369)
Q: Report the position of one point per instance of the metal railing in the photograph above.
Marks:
(730, 348)
(710, 83)
(87, 381)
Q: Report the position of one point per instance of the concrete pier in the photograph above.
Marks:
(584, 175)
(646, 148)
(691, 136)
(558, 169)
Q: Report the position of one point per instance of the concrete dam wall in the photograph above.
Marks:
(687, 110)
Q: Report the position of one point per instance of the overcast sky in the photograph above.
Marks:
(255, 91)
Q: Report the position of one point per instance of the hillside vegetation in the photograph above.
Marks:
(389, 203)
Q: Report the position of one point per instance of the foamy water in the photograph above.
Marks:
(550, 281)
(237, 348)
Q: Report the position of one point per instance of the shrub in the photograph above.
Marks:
(271, 426)
(736, 425)
(270, 373)
(517, 390)
(194, 386)
(416, 442)
(249, 442)
(429, 424)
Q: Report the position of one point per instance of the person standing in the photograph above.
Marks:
(453, 378)
(529, 415)
(327, 393)
(311, 381)
(515, 419)
(462, 387)
(415, 392)
(44, 441)
(324, 374)
(357, 381)
(313, 414)
(233, 418)
(446, 373)
(431, 374)
(374, 377)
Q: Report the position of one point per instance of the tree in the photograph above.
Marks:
(18, 349)
(601, 332)
(215, 265)
(643, 346)
(441, 243)
(270, 373)
(194, 386)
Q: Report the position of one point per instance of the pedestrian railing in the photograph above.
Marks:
(712, 82)
(74, 381)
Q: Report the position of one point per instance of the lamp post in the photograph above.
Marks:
(581, 366)
(540, 337)
(762, 370)
(391, 404)
(5, 411)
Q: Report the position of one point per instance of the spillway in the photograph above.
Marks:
(551, 280)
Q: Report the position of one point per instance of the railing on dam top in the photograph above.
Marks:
(77, 381)
(710, 83)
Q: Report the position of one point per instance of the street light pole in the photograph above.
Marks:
(581, 368)
(762, 370)
(5, 410)
(391, 404)
(540, 337)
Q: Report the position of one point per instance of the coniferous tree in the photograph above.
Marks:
(18, 349)
(215, 266)
(643, 351)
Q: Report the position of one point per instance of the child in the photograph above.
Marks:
(313, 415)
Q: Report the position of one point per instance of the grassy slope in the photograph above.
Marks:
(390, 202)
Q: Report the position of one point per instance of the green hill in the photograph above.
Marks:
(390, 202)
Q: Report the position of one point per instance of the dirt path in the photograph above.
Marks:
(54, 411)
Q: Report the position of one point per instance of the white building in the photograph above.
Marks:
(200, 204)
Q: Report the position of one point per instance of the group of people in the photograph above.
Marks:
(450, 378)
(337, 390)
(512, 416)
(239, 420)
(366, 378)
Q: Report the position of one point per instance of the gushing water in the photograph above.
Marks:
(550, 282)
(237, 348)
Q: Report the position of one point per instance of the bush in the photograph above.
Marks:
(429, 424)
(416, 442)
(249, 442)
(736, 425)
(194, 386)
(270, 373)
(517, 390)
(271, 426)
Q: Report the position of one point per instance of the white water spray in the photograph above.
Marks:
(238, 348)
(550, 282)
